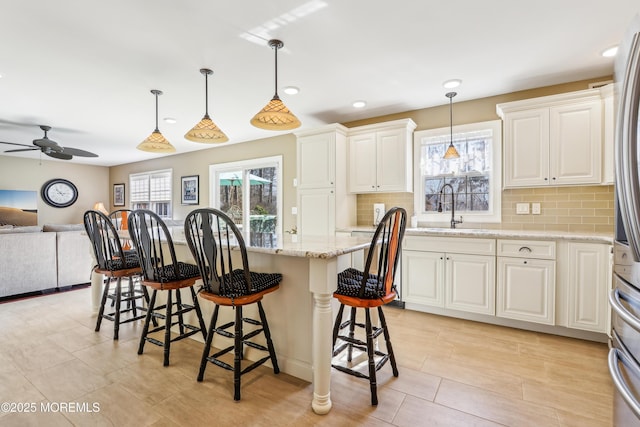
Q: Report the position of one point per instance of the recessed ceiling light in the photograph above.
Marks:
(170, 120)
(291, 90)
(359, 104)
(610, 52)
(450, 84)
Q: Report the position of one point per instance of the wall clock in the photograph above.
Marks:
(59, 193)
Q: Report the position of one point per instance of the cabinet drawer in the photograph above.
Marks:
(527, 249)
(461, 245)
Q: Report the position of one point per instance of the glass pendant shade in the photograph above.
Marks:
(451, 153)
(156, 143)
(275, 115)
(206, 131)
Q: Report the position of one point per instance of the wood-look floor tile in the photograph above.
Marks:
(582, 401)
(491, 378)
(510, 411)
(38, 418)
(418, 412)
(67, 381)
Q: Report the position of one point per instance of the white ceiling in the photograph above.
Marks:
(86, 67)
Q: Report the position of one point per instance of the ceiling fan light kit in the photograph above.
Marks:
(156, 143)
(206, 131)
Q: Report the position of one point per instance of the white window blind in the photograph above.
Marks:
(152, 190)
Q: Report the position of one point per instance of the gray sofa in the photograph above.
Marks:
(43, 258)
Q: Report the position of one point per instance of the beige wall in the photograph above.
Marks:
(586, 208)
(197, 163)
(30, 174)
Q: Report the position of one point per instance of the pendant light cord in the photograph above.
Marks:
(206, 95)
(276, 74)
(157, 130)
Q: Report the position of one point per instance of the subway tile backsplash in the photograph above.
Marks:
(581, 209)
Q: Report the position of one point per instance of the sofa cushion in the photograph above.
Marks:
(63, 227)
(25, 229)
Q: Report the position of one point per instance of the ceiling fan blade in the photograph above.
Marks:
(13, 143)
(77, 152)
(21, 149)
(60, 156)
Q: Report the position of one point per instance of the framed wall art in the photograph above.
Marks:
(118, 194)
(189, 189)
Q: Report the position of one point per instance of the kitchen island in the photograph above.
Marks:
(300, 313)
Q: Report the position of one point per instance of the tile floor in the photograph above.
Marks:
(452, 373)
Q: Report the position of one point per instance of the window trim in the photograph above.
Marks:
(215, 169)
(495, 212)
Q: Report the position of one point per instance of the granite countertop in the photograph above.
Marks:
(293, 244)
(500, 234)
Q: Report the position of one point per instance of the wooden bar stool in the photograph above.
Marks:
(212, 236)
(161, 271)
(115, 264)
(371, 288)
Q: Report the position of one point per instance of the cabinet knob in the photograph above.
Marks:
(554, 178)
(441, 258)
(525, 262)
(546, 179)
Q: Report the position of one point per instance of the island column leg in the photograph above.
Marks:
(322, 283)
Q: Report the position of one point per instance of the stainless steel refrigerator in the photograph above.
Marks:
(624, 356)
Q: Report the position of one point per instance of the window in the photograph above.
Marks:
(152, 190)
(475, 177)
(249, 191)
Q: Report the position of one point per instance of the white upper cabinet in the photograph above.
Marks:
(553, 140)
(380, 157)
(316, 160)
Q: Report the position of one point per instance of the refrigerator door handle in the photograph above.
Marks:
(616, 355)
(626, 315)
(627, 177)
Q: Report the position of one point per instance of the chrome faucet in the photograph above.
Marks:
(453, 204)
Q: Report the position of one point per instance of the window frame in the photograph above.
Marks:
(149, 174)
(244, 165)
(494, 214)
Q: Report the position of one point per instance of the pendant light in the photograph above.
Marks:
(156, 143)
(451, 153)
(275, 115)
(206, 130)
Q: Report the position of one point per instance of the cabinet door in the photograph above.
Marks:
(423, 278)
(316, 212)
(470, 283)
(526, 289)
(526, 148)
(589, 283)
(362, 163)
(576, 143)
(316, 161)
(392, 171)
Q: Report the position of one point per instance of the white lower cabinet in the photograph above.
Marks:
(588, 281)
(462, 278)
(526, 289)
(526, 284)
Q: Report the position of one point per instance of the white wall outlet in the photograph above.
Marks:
(294, 210)
(522, 208)
(535, 208)
(295, 182)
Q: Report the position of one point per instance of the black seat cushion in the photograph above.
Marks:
(130, 261)
(236, 284)
(168, 273)
(350, 281)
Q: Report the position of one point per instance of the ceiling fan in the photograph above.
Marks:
(50, 147)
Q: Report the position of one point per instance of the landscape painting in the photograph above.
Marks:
(18, 207)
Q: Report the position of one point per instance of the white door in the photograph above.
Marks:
(526, 148)
(470, 283)
(391, 162)
(576, 143)
(589, 284)
(362, 163)
(316, 212)
(526, 289)
(423, 278)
